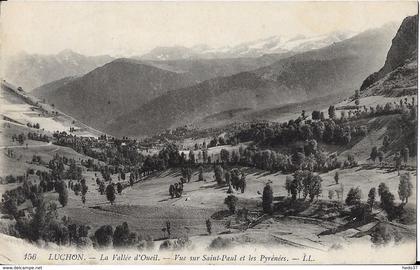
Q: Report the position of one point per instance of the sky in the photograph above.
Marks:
(134, 28)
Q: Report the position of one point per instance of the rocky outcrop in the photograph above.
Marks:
(403, 48)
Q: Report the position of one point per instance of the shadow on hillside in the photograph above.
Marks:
(334, 184)
(215, 186)
(165, 200)
(219, 215)
(264, 174)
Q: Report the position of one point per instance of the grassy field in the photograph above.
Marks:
(147, 205)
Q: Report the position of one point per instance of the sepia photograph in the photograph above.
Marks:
(208, 133)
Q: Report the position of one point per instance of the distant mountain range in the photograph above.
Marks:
(125, 84)
(270, 45)
(129, 97)
(339, 67)
(33, 70)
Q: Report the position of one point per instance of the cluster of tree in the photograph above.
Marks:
(308, 157)
(387, 199)
(328, 131)
(186, 173)
(175, 190)
(231, 202)
(38, 137)
(37, 160)
(14, 179)
(63, 195)
(19, 138)
(11, 199)
(403, 107)
(110, 150)
(31, 191)
(216, 141)
(121, 237)
(399, 157)
(36, 125)
(58, 171)
(236, 180)
(44, 224)
(304, 182)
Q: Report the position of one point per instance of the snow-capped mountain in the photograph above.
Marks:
(270, 45)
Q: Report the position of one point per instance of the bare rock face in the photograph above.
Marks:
(403, 48)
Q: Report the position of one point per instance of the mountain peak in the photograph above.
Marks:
(67, 52)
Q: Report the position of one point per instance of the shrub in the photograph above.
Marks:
(231, 201)
(383, 234)
(166, 245)
(104, 236)
(121, 235)
(220, 243)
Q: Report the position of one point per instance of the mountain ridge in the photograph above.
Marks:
(336, 68)
(34, 70)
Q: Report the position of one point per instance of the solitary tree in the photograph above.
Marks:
(374, 154)
(397, 159)
(331, 194)
(405, 187)
(84, 187)
(336, 177)
(208, 226)
(354, 196)
(110, 193)
(371, 197)
(63, 195)
(102, 187)
(387, 203)
(331, 112)
(267, 199)
(405, 154)
(191, 157)
(385, 142)
(224, 155)
(119, 188)
(132, 178)
(242, 183)
(382, 188)
(288, 185)
(218, 174)
(380, 156)
(227, 178)
(200, 174)
(168, 228)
